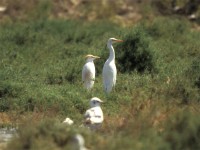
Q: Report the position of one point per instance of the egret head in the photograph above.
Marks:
(90, 57)
(113, 40)
(95, 101)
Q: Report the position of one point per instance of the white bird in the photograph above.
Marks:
(88, 72)
(109, 68)
(3, 8)
(79, 142)
(68, 121)
(94, 115)
(192, 17)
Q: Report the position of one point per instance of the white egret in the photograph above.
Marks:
(94, 115)
(3, 8)
(109, 68)
(88, 72)
(68, 121)
(79, 142)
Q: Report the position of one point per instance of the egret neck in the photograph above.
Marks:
(112, 52)
(90, 60)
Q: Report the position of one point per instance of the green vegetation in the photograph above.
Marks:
(135, 52)
(41, 65)
(155, 104)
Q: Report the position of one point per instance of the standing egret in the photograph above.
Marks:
(109, 68)
(94, 115)
(88, 72)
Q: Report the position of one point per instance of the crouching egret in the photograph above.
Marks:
(88, 72)
(109, 68)
(94, 115)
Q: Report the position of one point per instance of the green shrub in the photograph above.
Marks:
(5, 104)
(9, 90)
(53, 79)
(135, 52)
(73, 73)
(172, 28)
(194, 72)
(183, 131)
(48, 134)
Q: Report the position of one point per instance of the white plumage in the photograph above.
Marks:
(109, 68)
(68, 121)
(94, 115)
(79, 142)
(3, 8)
(88, 72)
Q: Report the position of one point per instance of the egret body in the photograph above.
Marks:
(88, 72)
(94, 115)
(109, 68)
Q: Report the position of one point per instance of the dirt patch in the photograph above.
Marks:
(3, 145)
(5, 118)
(124, 12)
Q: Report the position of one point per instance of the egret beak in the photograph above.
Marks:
(118, 40)
(101, 101)
(97, 57)
(89, 55)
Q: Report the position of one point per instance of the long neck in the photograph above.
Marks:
(112, 52)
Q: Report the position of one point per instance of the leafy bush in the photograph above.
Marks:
(9, 90)
(48, 134)
(135, 52)
(4, 105)
(194, 72)
(52, 79)
(167, 27)
(183, 131)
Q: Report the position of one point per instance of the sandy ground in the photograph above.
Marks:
(3, 145)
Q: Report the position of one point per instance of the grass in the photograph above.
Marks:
(151, 108)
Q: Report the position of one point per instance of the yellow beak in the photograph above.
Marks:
(118, 40)
(91, 56)
(96, 57)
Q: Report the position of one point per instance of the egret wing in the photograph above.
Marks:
(89, 113)
(109, 76)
